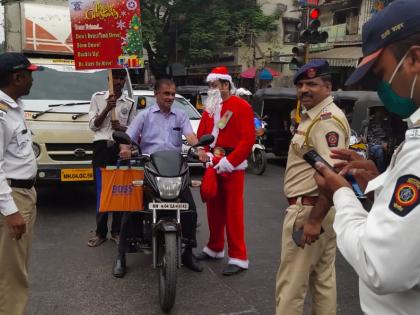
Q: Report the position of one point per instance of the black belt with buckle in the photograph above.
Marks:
(221, 151)
(21, 183)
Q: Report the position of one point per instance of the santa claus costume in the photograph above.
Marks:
(231, 121)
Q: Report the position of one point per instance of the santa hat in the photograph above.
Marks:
(219, 73)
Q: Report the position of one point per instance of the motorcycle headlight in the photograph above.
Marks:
(169, 187)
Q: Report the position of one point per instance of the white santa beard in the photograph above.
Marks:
(212, 103)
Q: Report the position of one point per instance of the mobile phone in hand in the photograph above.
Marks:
(312, 157)
(297, 235)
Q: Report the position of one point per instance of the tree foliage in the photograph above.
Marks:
(196, 31)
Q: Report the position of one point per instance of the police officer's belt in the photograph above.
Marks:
(221, 151)
(21, 183)
(305, 200)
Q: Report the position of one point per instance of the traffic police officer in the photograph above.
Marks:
(383, 245)
(102, 121)
(323, 126)
(17, 178)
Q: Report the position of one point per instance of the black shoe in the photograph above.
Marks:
(231, 270)
(119, 267)
(189, 261)
(203, 256)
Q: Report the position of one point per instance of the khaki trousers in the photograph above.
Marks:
(311, 268)
(14, 256)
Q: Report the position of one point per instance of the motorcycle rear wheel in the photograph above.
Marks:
(258, 161)
(167, 270)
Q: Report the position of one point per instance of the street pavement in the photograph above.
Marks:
(69, 278)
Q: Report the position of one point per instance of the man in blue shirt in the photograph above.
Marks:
(157, 128)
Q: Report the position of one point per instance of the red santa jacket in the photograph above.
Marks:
(239, 132)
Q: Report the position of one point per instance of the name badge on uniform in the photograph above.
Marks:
(221, 124)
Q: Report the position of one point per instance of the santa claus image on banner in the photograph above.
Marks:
(231, 121)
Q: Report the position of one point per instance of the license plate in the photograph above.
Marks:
(168, 206)
(76, 174)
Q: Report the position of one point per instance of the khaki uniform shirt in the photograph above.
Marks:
(322, 128)
(125, 111)
(17, 158)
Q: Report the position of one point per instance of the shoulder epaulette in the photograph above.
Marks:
(3, 110)
(99, 93)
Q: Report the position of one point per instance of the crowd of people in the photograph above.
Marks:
(323, 210)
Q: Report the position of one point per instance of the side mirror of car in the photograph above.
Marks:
(205, 140)
(121, 137)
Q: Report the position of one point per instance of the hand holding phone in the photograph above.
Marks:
(312, 157)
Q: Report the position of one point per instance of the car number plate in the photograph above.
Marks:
(168, 206)
(76, 174)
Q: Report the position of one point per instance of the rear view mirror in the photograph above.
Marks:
(205, 140)
(141, 102)
(121, 137)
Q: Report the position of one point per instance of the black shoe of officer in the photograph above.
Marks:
(189, 261)
(119, 267)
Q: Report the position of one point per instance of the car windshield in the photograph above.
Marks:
(178, 103)
(51, 84)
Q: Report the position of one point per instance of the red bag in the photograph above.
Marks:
(208, 188)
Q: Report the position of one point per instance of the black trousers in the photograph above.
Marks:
(188, 222)
(105, 153)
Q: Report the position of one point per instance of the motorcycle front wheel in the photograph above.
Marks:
(258, 161)
(167, 270)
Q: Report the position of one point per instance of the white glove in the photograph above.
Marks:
(210, 162)
(224, 166)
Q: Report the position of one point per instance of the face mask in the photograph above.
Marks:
(402, 106)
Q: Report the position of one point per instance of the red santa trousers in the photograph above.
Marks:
(227, 211)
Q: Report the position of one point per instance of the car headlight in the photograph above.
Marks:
(37, 149)
(169, 187)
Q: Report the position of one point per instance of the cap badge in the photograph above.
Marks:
(311, 73)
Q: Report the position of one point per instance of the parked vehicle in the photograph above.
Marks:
(257, 160)
(165, 177)
(195, 94)
(275, 104)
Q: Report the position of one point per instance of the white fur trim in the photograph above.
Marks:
(241, 166)
(218, 76)
(239, 262)
(213, 254)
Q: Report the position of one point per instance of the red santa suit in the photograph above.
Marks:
(226, 210)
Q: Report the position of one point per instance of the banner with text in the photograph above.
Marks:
(106, 34)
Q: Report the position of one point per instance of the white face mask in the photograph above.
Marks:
(213, 101)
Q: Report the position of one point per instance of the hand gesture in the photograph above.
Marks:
(362, 170)
(16, 224)
(202, 156)
(111, 103)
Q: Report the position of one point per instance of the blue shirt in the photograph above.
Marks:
(156, 131)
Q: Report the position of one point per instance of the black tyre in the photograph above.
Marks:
(258, 161)
(167, 271)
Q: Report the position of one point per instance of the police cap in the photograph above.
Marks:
(314, 68)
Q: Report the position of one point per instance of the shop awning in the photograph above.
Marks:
(339, 57)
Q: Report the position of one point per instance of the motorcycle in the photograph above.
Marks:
(356, 144)
(166, 176)
(257, 160)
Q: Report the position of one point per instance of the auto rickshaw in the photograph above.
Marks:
(275, 106)
(196, 94)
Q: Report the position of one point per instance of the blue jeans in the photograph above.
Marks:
(377, 154)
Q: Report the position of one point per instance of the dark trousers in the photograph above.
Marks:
(105, 153)
(188, 222)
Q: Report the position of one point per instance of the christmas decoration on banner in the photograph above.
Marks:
(106, 34)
